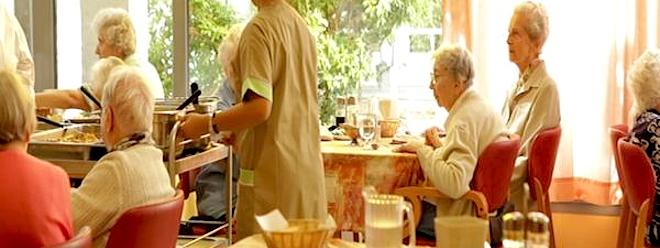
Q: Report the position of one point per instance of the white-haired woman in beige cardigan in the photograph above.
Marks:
(132, 173)
(533, 102)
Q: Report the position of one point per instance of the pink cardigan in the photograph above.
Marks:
(35, 208)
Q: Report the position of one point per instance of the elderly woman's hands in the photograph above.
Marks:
(432, 137)
(193, 125)
(410, 147)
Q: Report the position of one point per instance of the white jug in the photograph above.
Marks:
(384, 219)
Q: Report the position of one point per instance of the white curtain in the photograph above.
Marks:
(590, 45)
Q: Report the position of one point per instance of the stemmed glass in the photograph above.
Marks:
(366, 124)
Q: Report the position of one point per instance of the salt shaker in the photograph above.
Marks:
(514, 230)
(538, 233)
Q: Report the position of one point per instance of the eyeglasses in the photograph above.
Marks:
(433, 77)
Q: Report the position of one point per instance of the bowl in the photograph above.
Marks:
(301, 233)
(388, 127)
(350, 131)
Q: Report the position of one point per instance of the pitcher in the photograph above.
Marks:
(384, 219)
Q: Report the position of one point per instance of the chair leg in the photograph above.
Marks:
(623, 223)
(546, 200)
(630, 230)
(543, 204)
(640, 229)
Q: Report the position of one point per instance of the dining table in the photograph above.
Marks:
(350, 168)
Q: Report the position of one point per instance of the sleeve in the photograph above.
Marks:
(97, 201)
(25, 65)
(450, 167)
(255, 66)
(543, 114)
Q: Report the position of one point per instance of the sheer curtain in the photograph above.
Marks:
(589, 49)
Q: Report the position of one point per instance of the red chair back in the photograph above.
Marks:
(638, 176)
(152, 225)
(617, 132)
(494, 170)
(82, 240)
(542, 157)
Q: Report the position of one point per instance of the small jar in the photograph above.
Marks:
(538, 233)
(513, 230)
(351, 110)
(340, 113)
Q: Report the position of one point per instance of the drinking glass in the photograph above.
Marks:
(366, 124)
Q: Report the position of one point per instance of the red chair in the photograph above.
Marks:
(489, 185)
(639, 183)
(540, 165)
(624, 238)
(82, 240)
(151, 225)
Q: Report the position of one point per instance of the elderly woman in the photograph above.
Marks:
(27, 183)
(472, 125)
(644, 81)
(132, 173)
(116, 37)
(211, 180)
(65, 99)
(533, 103)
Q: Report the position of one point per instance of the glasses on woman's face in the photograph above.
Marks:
(434, 78)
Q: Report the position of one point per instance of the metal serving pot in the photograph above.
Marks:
(165, 117)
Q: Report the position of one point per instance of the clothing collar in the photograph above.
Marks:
(460, 101)
(532, 76)
(132, 140)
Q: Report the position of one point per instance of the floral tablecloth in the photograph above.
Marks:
(349, 168)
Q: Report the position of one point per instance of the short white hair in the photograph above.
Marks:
(229, 45)
(115, 25)
(101, 72)
(537, 20)
(457, 60)
(127, 93)
(644, 79)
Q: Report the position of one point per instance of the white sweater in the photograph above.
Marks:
(119, 181)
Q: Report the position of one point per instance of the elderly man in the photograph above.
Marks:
(36, 207)
(132, 173)
(533, 103)
(472, 125)
(645, 84)
(116, 37)
(279, 169)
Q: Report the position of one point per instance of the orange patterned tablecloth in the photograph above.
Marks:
(349, 168)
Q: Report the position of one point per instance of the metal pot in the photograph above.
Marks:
(165, 117)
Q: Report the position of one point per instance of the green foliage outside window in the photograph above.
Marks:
(348, 32)
(209, 23)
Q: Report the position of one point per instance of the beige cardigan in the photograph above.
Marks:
(472, 125)
(532, 105)
(119, 181)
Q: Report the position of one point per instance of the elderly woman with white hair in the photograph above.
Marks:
(472, 125)
(644, 79)
(116, 37)
(211, 198)
(532, 104)
(132, 173)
